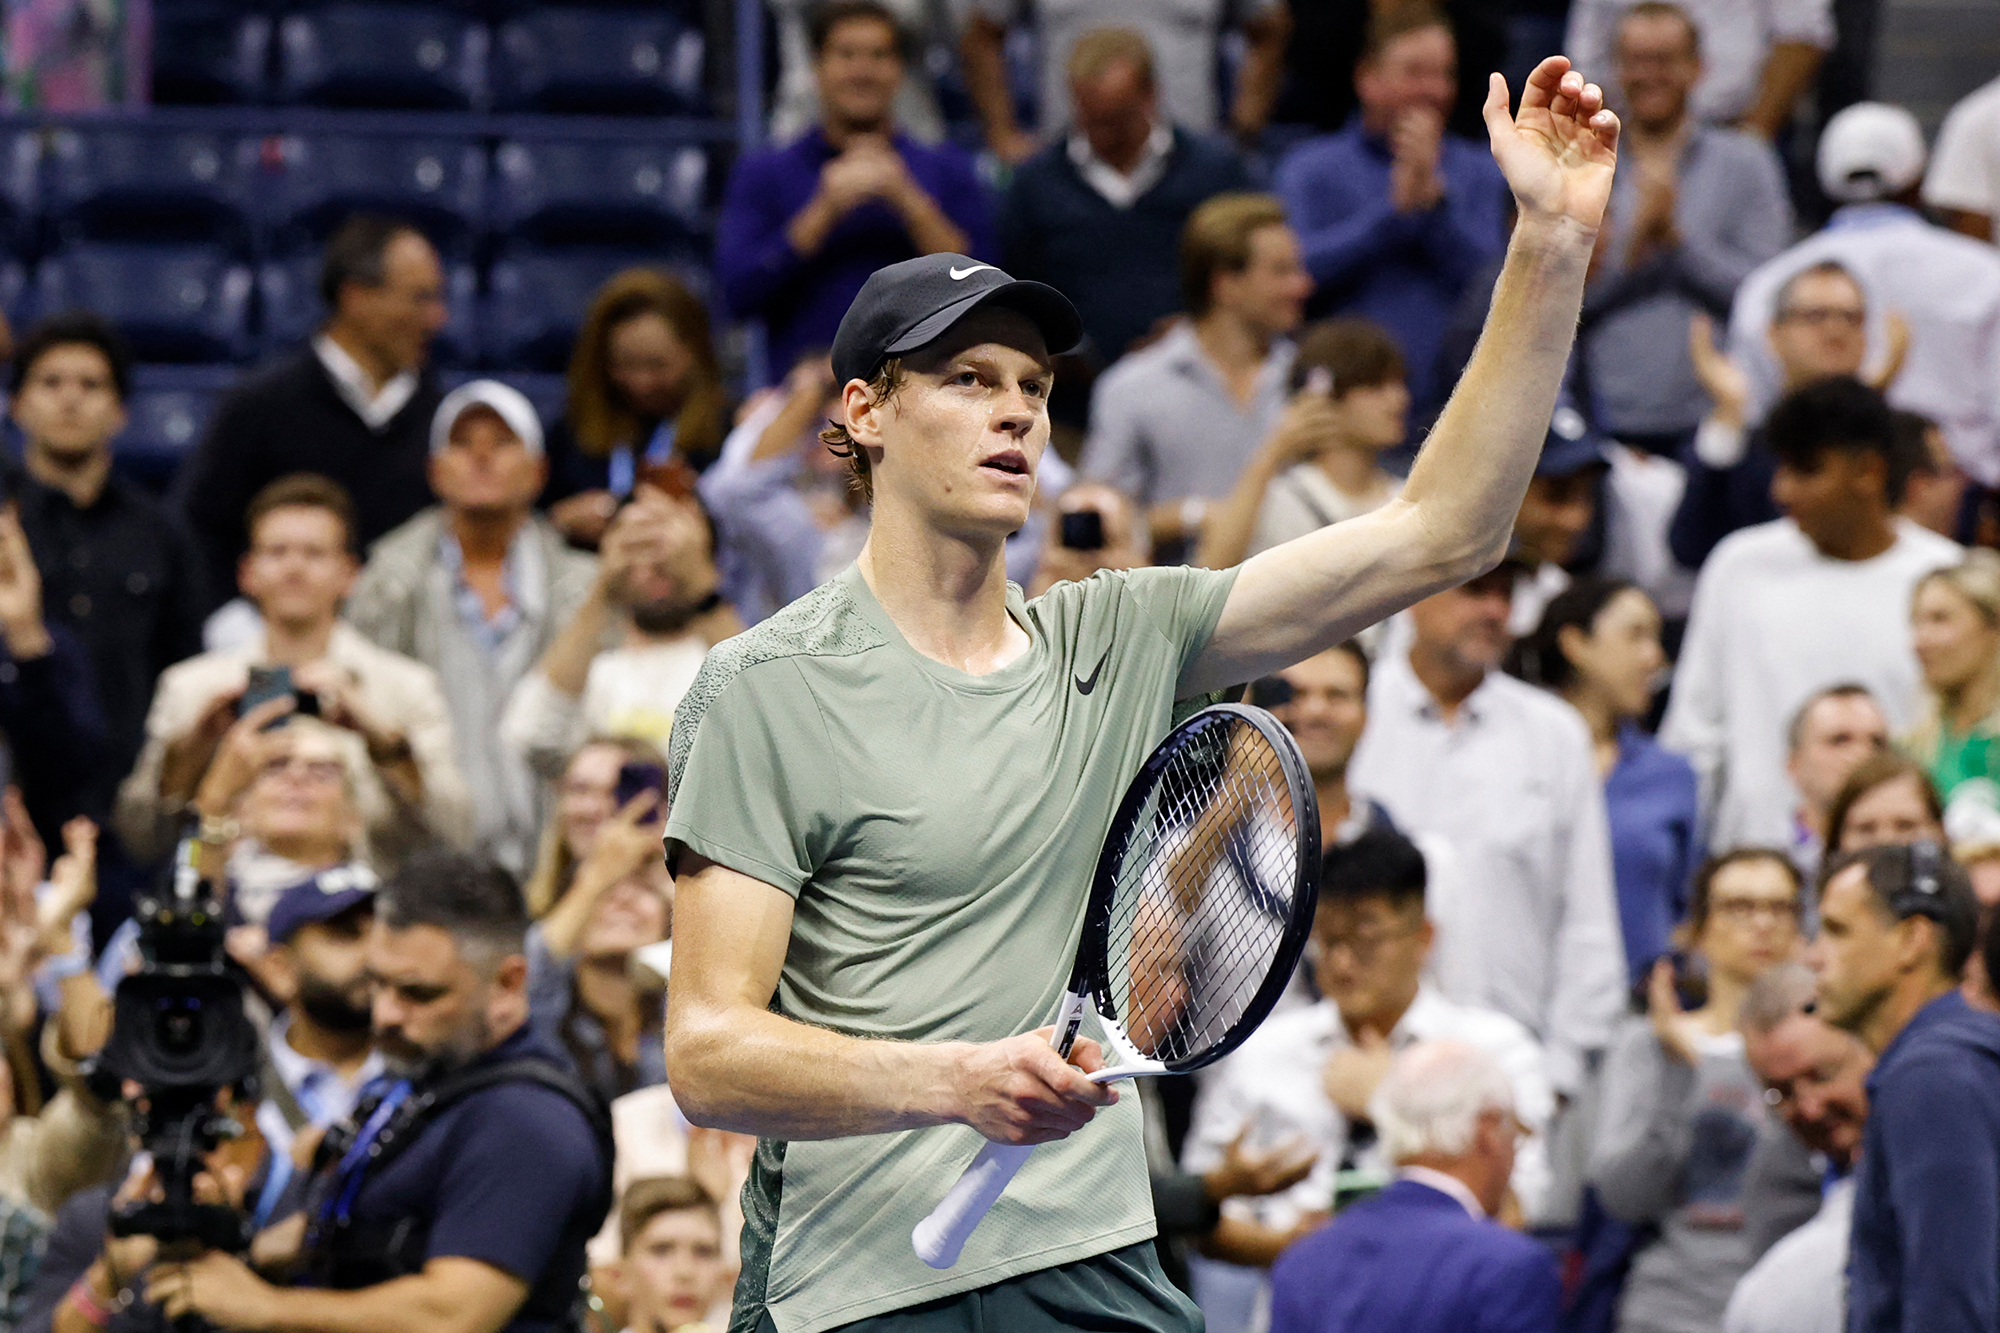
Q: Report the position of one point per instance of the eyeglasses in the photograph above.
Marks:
(314, 770)
(1365, 944)
(1819, 315)
(1749, 909)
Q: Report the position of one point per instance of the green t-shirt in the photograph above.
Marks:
(1963, 756)
(938, 832)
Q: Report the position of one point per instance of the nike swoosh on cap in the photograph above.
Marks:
(961, 274)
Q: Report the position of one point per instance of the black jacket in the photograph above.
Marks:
(288, 417)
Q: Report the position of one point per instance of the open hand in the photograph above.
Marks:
(1246, 1173)
(1558, 150)
(1727, 387)
(1670, 1022)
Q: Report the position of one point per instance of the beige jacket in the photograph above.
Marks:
(76, 1142)
(402, 693)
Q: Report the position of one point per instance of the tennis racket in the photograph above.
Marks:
(1200, 906)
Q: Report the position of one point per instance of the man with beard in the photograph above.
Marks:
(318, 1055)
(476, 587)
(1896, 927)
(656, 574)
(458, 1196)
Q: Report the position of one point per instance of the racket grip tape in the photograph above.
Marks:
(939, 1237)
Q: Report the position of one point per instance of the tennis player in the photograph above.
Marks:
(887, 799)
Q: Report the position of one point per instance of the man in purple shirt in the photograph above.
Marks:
(1395, 215)
(804, 225)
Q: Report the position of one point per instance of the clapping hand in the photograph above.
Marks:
(1243, 1173)
(1727, 387)
(1416, 142)
(1558, 150)
(21, 623)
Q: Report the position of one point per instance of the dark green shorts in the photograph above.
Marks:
(1120, 1292)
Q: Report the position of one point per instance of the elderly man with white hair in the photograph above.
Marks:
(1943, 286)
(477, 587)
(1425, 1255)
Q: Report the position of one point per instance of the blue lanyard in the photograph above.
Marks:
(354, 1164)
(276, 1178)
(622, 470)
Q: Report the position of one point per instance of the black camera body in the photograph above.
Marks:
(180, 1031)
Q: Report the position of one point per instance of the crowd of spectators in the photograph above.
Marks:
(1649, 989)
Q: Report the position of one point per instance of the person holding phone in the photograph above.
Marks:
(1095, 528)
(584, 995)
(1682, 1109)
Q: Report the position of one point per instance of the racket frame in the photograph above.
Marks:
(939, 1238)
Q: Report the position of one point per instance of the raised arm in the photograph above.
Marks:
(1455, 514)
(736, 1065)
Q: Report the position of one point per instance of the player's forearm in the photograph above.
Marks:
(1468, 482)
(756, 1072)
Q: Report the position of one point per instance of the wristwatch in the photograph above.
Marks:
(218, 830)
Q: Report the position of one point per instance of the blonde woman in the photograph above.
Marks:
(1955, 629)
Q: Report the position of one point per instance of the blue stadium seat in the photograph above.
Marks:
(546, 389)
(397, 56)
(20, 189)
(536, 300)
(562, 191)
(167, 412)
(210, 53)
(313, 181)
(288, 299)
(607, 62)
(174, 303)
(142, 183)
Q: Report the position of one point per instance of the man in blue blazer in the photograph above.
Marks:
(1424, 1255)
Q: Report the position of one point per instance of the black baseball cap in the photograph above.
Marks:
(904, 306)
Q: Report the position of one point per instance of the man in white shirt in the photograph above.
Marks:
(1174, 424)
(1758, 56)
(1496, 778)
(1785, 609)
(1309, 1074)
(1964, 178)
(1945, 287)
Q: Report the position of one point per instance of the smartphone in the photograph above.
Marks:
(1083, 530)
(268, 683)
(635, 779)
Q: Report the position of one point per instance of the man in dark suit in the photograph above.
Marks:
(1424, 1255)
(354, 404)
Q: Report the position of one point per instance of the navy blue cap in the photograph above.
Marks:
(1571, 445)
(321, 898)
(904, 306)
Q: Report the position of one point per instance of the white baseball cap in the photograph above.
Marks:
(510, 403)
(1869, 151)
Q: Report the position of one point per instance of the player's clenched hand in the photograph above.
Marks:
(1020, 1091)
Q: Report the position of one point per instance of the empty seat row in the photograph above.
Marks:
(428, 56)
(194, 304)
(169, 408)
(285, 192)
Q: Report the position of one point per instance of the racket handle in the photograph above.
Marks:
(939, 1237)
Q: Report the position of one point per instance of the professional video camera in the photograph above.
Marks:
(180, 1032)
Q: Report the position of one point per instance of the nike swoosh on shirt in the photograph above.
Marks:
(961, 274)
(1086, 686)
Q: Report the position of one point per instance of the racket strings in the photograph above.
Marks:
(1206, 889)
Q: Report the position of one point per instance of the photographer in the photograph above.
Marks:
(658, 595)
(89, 1280)
(459, 1199)
(583, 995)
(1095, 529)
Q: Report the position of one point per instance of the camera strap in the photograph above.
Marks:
(353, 1168)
